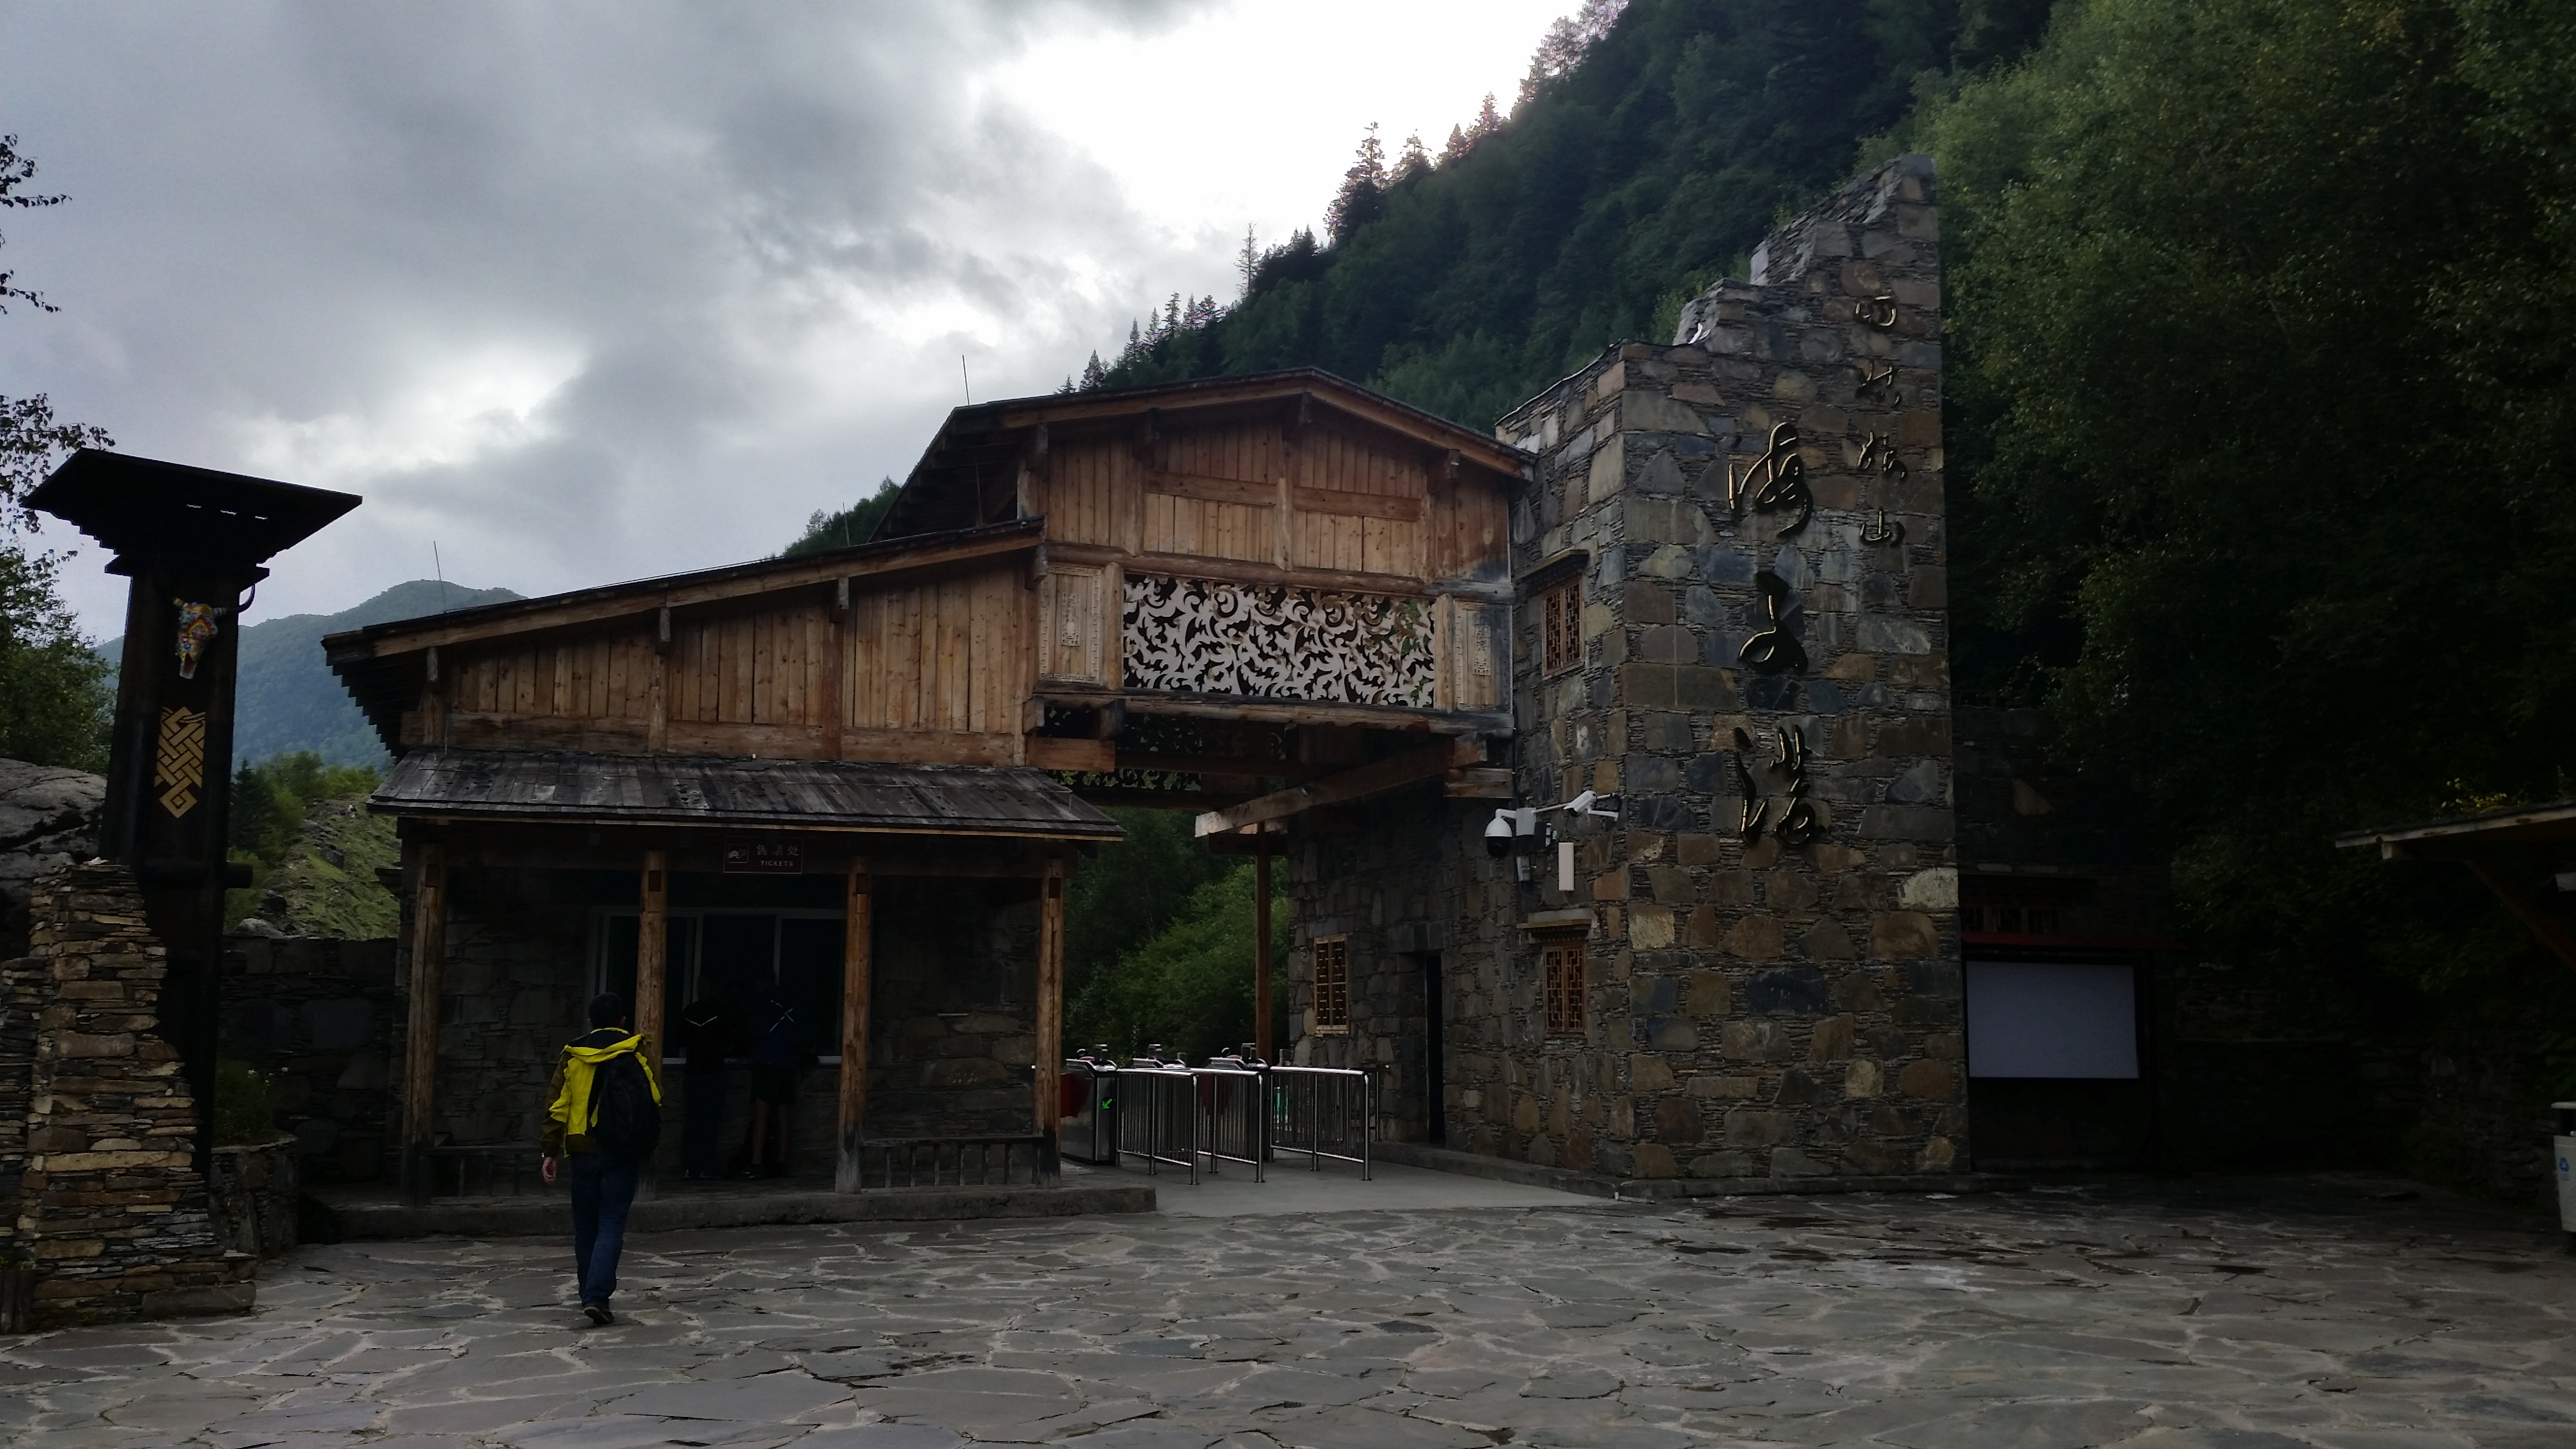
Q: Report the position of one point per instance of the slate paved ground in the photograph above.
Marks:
(2230, 1315)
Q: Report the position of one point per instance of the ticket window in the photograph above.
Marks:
(2053, 1020)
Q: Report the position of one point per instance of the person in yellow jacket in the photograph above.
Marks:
(606, 1114)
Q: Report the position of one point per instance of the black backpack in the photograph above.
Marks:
(625, 1121)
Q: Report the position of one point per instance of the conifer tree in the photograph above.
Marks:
(1362, 198)
(1414, 163)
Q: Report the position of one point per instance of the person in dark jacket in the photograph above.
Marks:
(599, 1115)
(774, 1053)
(706, 1030)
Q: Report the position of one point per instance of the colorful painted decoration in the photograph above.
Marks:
(196, 633)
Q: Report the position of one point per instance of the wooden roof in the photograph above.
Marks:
(144, 507)
(580, 787)
(971, 464)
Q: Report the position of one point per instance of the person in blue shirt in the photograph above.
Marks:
(774, 1056)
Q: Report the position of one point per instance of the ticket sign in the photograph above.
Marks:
(744, 858)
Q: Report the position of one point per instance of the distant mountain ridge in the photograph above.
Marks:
(289, 699)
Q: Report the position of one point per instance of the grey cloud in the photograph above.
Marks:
(316, 217)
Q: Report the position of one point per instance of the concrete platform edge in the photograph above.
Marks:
(550, 1216)
(1530, 1174)
(1493, 1169)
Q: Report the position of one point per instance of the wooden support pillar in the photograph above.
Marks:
(652, 950)
(420, 1030)
(858, 944)
(652, 967)
(1261, 941)
(1050, 1003)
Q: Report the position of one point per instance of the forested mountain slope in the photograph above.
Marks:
(1617, 190)
(289, 700)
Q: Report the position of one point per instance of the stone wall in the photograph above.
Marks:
(256, 1190)
(1406, 894)
(952, 1033)
(319, 1016)
(1753, 1009)
(512, 991)
(103, 1203)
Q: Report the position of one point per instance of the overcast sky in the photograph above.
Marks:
(593, 292)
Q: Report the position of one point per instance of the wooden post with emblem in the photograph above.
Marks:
(192, 540)
(1050, 1013)
(857, 975)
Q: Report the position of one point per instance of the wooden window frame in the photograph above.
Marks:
(1560, 627)
(1564, 1000)
(1332, 976)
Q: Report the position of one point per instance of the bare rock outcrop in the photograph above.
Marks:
(48, 817)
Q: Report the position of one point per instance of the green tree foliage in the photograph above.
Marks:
(2265, 338)
(1190, 987)
(1127, 894)
(53, 691)
(270, 803)
(54, 697)
(1646, 158)
(849, 526)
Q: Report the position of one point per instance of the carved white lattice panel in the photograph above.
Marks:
(1275, 642)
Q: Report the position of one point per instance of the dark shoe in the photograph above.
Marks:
(599, 1314)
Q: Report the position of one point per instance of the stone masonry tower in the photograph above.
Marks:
(1733, 622)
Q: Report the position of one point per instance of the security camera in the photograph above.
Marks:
(1498, 834)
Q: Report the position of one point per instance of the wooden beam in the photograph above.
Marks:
(1250, 710)
(1049, 753)
(1480, 783)
(1261, 942)
(858, 948)
(1050, 1025)
(1369, 779)
(2537, 921)
(1247, 571)
(420, 1028)
(1221, 765)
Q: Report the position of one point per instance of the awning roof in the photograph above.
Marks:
(582, 787)
(2553, 823)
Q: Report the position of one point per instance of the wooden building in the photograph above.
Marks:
(1264, 596)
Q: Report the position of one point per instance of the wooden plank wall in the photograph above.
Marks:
(949, 655)
(1353, 504)
(932, 670)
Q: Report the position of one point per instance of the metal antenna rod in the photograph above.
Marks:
(436, 563)
(962, 379)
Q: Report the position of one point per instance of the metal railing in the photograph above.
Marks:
(891, 1162)
(1235, 1101)
(1158, 1116)
(1322, 1112)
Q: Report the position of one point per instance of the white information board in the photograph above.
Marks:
(2052, 1019)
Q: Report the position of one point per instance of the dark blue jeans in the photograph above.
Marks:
(701, 1145)
(603, 1188)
